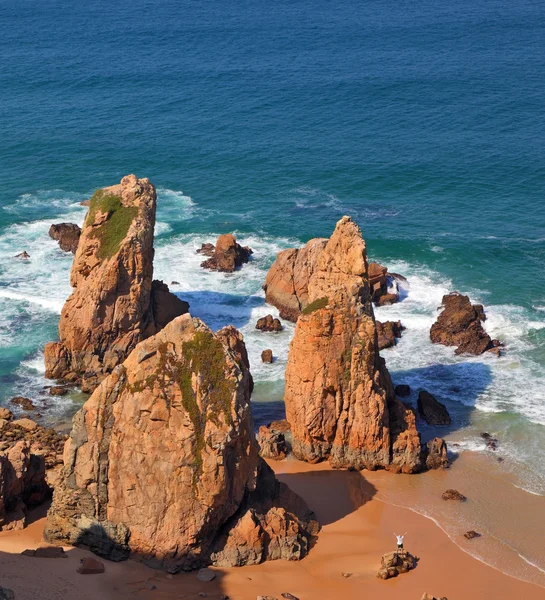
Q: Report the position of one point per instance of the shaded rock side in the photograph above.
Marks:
(114, 304)
(227, 254)
(22, 484)
(162, 461)
(339, 397)
(67, 234)
(460, 324)
(286, 285)
(431, 410)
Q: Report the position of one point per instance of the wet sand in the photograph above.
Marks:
(357, 529)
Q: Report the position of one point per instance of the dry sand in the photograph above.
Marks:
(357, 529)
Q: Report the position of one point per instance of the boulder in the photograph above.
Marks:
(453, 495)
(272, 440)
(460, 324)
(228, 254)
(431, 410)
(402, 390)
(67, 234)
(6, 414)
(267, 356)
(22, 484)
(91, 566)
(58, 390)
(269, 323)
(206, 574)
(436, 454)
(24, 403)
(23, 255)
(339, 397)
(162, 462)
(26, 424)
(114, 304)
(471, 535)
(388, 333)
(395, 563)
(286, 285)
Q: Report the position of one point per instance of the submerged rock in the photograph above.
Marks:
(162, 462)
(67, 234)
(114, 304)
(24, 403)
(227, 255)
(460, 325)
(431, 410)
(340, 401)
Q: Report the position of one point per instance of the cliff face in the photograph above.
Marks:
(113, 305)
(339, 397)
(162, 461)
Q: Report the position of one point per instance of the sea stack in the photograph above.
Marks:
(162, 463)
(114, 304)
(339, 397)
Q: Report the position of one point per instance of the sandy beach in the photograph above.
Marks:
(357, 529)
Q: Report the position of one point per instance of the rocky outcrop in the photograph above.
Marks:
(163, 463)
(267, 356)
(286, 285)
(67, 234)
(395, 563)
(272, 440)
(339, 397)
(269, 323)
(431, 410)
(114, 304)
(436, 454)
(460, 324)
(388, 333)
(226, 256)
(22, 484)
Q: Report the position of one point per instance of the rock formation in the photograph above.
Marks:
(395, 563)
(402, 390)
(22, 484)
(163, 463)
(269, 323)
(267, 356)
(114, 304)
(67, 234)
(272, 440)
(339, 398)
(436, 454)
(388, 333)
(460, 325)
(286, 285)
(453, 495)
(431, 410)
(226, 256)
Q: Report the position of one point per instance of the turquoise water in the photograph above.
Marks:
(423, 121)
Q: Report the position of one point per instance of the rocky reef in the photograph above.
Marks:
(162, 462)
(460, 324)
(339, 397)
(114, 304)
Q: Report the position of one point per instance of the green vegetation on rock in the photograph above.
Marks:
(316, 305)
(112, 232)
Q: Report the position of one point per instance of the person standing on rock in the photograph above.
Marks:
(400, 541)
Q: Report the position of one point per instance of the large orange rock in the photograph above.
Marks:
(286, 286)
(162, 462)
(114, 304)
(339, 397)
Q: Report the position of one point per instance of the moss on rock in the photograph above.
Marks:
(316, 305)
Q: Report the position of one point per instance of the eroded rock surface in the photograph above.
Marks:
(272, 440)
(163, 463)
(114, 304)
(460, 324)
(339, 396)
(226, 256)
(67, 234)
(436, 454)
(388, 332)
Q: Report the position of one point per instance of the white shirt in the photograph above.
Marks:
(400, 539)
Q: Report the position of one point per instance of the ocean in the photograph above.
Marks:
(424, 122)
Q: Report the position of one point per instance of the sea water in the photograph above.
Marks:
(423, 121)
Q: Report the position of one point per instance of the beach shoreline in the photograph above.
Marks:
(357, 528)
